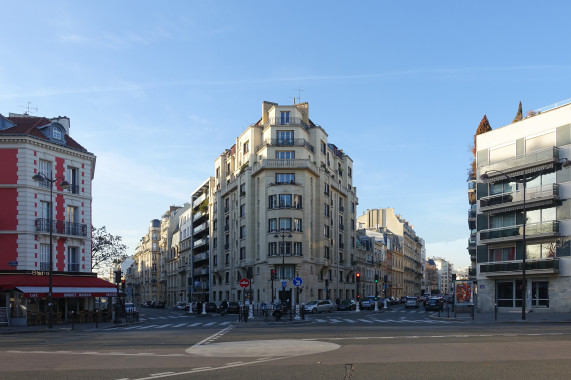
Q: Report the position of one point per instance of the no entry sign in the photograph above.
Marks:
(244, 282)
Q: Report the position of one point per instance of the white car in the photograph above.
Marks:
(180, 306)
(320, 306)
(411, 302)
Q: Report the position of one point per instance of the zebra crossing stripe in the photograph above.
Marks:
(335, 320)
(210, 324)
(224, 323)
(349, 320)
(163, 326)
(182, 324)
(148, 327)
(320, 320)
(194, 324)
(365, 320)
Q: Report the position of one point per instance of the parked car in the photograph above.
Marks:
(319, 306)
(347, 305)
(403, 299)
(411, 302)
(211, 307)
(229, 307)
(434, 304)
(180, 306)
(369, 303)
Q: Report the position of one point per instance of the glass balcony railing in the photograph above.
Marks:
(521, 162)
(534, 194)
(549, 228)
(516, 266)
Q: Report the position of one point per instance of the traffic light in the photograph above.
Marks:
(376, 278)
(453, 277)
(358, 277)
(118, 276)
(274, 274)
(123, 286)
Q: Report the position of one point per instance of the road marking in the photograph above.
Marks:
(193, 325)
(148, 327)
(162, 373)
(182, 324)
(225, 323)
(335, 320)
(320, 320)
(163, 326)
(210, 324)
(365, 320)
(214, 336)
(349, 320)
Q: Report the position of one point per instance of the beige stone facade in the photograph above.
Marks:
(283, 200)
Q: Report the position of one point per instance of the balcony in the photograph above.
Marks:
(531, 162)
(200, 271)
(513, 233)
(290, 121)
(73, 189)
(198, 200)
(534, 197)
(61, 227)
(273, 164)
(472, 212)
(286, 142)
(539, 266)
(200, 243)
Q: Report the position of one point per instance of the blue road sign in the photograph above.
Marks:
(297, 281)
(284, 284)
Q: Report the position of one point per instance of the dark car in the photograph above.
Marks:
(347, 305)
(211, 307)
(434, 304)
(229, 307)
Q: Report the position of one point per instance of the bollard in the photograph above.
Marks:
(496, 312)
(448, 308)
(302, 312)
(72, 318)
(96, 318)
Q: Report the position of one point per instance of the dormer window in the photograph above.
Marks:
(56, 133)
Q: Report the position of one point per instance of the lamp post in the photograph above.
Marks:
(565, 163)
(41, 178)
(283, 235)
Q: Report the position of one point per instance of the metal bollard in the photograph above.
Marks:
(495, 311)
(96, 318)
(72, 318)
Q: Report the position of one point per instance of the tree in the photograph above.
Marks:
(519, 114)
(482, 128)
(106, 249)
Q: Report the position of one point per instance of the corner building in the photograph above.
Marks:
(534, 148)
(283, 205)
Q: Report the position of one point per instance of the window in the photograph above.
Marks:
(272, 201)
(46, 212)
(45, 169)
(540, 293)
(353, 224)
(284, 116)
(215, 207)
(285, 248)
(327, 255)
(297, 248)
(297, 202)
(353, 207)
(215, 224)
(242, 253)
(217, 172)
(541, 250)
(326, 189)
(323, 147)
(349, 171)
(227, 259)
(297, 225)
(72, 177)
(226, 204)
(285, 155)
(73, 259)
(246, 147)
(214, 261)
(285, 224)
(284, 138)
(242, 232)
(272, 224)
(272, 249)
(326, 210)
(242, 211)
(285, 201)
(285, 178)
(44, 257)
(214, 243)
(502, 254)
(227, 277)
(242, 189)
(326, 231)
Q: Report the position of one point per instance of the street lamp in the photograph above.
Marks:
(283, 235)
(565, 163)
(41, 178)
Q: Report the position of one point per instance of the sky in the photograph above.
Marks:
(157, 90)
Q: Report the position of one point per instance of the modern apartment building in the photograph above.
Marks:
(283, 206)
(412, 246)
(199, 276)
(524, 213)
(45, 218)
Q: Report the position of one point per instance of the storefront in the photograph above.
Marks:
(24, 297)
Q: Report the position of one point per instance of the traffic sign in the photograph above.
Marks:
(284, 283)
(297, 281)
(244, 282)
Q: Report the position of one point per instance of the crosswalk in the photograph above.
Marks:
(158, 322)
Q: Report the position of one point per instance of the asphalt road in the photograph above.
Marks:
(315, 350)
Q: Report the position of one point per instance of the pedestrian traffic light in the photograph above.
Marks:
(358, 277)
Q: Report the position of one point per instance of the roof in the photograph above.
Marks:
(30, 126)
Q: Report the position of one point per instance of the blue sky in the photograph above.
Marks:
(158, 89)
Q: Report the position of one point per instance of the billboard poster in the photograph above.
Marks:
(464, 293)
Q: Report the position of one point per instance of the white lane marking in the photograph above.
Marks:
(225, 323)
(210, 324)
(148, 327)
(320, 320)
(193, 325)
(335, 320)
(365, 320)
(163, 326)
(181, 324)
(162, 374)
(214, 336)
(349, 320)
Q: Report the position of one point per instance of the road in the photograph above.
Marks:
(408, 345)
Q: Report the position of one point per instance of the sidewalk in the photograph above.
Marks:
(506, 317)
(61, 328)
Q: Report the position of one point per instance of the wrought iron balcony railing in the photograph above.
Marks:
(61, 227)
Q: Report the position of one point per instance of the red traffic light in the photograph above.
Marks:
(358, 276)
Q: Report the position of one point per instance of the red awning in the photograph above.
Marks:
(37, 285)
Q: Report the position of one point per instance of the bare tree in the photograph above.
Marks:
(106, 249)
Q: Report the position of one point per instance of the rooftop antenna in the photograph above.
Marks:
(299, 90)
(29, 108)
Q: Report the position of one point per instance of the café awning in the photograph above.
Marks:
(37, 286)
